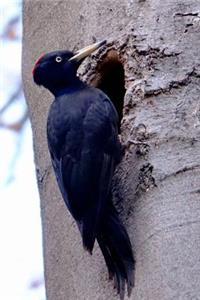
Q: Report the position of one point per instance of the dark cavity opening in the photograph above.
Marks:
(110, 79)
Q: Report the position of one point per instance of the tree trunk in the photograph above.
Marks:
(157, 185)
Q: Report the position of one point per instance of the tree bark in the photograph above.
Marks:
(157, 185)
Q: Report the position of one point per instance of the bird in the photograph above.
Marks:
(84, 146)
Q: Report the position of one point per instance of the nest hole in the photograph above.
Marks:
(110, 78)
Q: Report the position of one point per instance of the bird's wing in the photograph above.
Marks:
(86, 179)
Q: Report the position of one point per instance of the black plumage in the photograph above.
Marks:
(82, 132)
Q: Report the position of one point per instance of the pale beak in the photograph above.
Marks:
(86, 51)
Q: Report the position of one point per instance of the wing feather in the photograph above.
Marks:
(85, 180)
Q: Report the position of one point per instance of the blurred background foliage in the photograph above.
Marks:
(21, 272)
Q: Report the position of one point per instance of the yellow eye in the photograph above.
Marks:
(58, 59)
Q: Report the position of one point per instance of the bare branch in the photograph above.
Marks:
(13, 97)
(10, 31)
(16, 126)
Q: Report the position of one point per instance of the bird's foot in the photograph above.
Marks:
(142, 148)
(130, 142)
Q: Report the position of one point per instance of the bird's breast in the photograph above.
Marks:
(65, 127)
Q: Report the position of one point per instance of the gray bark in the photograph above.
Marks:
(159, 183)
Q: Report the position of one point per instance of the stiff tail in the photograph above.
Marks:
(116, 248)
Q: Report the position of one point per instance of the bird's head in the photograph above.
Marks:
(57, 70)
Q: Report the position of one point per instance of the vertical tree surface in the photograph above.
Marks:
(157, 185)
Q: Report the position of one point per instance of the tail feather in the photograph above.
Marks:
(113, 270)
(116, 249)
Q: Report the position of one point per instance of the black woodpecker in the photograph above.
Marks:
(82, 133)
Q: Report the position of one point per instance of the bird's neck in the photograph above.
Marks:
(71, 87)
